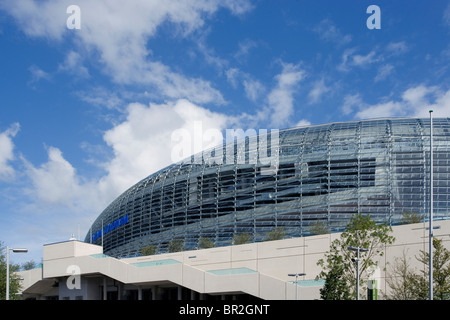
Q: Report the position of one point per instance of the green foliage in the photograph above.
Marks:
(29, 265)
(242, 238)
(338, 270)
(410, 217)
(149, 250)
(336, 286)
(401, 280)
(441, 272)
(277, 233)
(14, 284)
(406, 284)
(319, 228)
(205, 243)
(176, 245)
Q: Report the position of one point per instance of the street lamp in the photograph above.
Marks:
(358, 250)
(16, 250)
(296, 275)
(430, 234)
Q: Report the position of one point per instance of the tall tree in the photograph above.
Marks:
(441, 273)
(14, 284)
(401, 280)
(338, 269)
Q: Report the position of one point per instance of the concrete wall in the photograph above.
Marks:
(269, 264)
(67, 249)
(89, 289)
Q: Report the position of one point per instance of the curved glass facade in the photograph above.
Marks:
(323, 175)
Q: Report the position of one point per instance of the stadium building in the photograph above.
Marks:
(299, 185)
(319, 176)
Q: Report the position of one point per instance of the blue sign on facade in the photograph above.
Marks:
(110, 227)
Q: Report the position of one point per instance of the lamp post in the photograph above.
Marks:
(296, 275)
(7, 266)
(430, 231)
(358, 250)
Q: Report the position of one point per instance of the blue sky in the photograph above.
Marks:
(86, 113)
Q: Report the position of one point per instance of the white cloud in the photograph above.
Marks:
(7, 151)
(302, 123)
(346, 56)
(446, 16)
(350, 102)
(422, 98)
(37, 74)
(54, 181)
(102, 97)
(140, 145)
(361, 61)
(381, 110)
(278, 103)
(350, 59)
(441, 107)
(74, 65)
(175, 86)
(238, 7)
(383, 72)
(318, 90)
(253, 89)
(328, 31)
(39, 18)
(232, 75)
(120, 34)
(414, 102)
(244, 49)
(280, 99)
(417, 97)
(397, 48)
